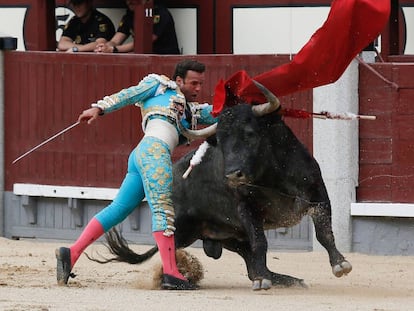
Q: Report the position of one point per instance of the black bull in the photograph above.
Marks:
(256, 175)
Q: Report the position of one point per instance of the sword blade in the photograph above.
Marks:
(46, 141)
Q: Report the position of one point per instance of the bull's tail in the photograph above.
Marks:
(119, 247)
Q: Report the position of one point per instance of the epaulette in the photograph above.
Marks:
(164, 80)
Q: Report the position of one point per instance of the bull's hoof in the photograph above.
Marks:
(342, 268)
(261, 284)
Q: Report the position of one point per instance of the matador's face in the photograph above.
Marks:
(191, 85)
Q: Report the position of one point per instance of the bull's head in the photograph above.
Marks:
(242, 139)
(258, 110)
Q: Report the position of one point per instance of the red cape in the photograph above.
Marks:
(350, 27)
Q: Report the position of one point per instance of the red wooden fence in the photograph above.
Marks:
(387, 145)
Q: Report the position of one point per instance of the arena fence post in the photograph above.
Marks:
(6, 43)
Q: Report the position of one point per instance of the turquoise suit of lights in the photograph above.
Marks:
(149, 173)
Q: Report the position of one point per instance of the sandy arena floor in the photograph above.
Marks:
(27, 282)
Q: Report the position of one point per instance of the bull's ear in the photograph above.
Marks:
(212, 140)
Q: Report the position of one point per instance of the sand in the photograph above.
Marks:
(28, 282)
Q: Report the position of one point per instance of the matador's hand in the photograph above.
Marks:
(89, 115)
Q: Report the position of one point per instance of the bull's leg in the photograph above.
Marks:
(244, 250)
(253, 225)
(185, 235)
(323, 227)
(255, 255)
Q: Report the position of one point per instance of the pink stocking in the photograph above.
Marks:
(90, 234)
(166, 246)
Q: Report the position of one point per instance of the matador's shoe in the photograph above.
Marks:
(63, 269)
(172, 283)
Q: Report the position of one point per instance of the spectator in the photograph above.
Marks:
(124, 31)
(86, 29)
(164, 37)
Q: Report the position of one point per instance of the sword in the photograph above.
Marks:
(46, 141)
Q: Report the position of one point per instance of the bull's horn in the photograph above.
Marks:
(197, 134)
(272, 105)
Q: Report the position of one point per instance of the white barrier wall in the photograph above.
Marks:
(335, 147)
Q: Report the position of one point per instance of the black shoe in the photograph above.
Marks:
(63, 265)
(173, 283)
